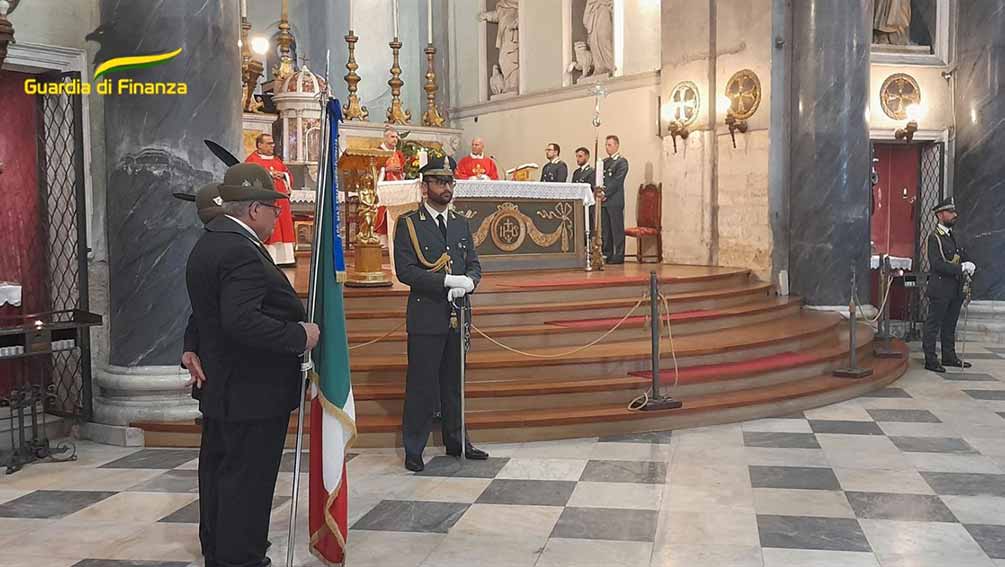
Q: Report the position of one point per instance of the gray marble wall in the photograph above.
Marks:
(154, 147)
(829, 160)
(980, 136)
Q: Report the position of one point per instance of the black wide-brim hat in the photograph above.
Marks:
(248, 182)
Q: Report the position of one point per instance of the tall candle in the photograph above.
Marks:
(350, 15)
(600, 173)
(429, 22)
(244, 9)
(395, 10)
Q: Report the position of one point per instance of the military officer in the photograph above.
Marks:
(434, 254)
(949, 267)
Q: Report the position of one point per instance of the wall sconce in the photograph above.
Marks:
(743, 96)
(682, 110)
(914, 113)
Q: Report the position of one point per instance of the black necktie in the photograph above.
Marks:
(442, 225)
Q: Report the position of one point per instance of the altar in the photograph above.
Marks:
(516, 225)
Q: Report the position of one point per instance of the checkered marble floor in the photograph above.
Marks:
(913, 475)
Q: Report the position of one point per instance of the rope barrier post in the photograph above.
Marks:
(852, 370)
(881, 342)
(655, 400)
(460, 305)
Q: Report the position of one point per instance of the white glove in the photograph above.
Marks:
(969, 267)
(463, 282)
(455, 293)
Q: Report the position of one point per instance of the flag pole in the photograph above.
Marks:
(307, 364)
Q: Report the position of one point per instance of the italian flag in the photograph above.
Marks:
(333, 413)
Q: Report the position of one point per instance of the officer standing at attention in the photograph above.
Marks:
(949, 266)
(435, 256)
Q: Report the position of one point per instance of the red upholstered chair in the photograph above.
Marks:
(648, 217)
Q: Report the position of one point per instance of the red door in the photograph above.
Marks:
(894, 226)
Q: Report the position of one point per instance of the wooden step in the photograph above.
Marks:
(574, 332)
(606, 419)
(620, 358)
(384, 319)
(544, 287)
(538, 392)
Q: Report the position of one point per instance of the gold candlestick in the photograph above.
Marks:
(284, 40)
(432, 116)
(251, 70)
(353, 110)
(396, 113)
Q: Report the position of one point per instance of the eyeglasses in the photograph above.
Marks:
(275, 208)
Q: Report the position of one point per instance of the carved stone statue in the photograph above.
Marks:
(583, 59)
(497, 85)
(598, 18)
(507, 41)
(891, 22)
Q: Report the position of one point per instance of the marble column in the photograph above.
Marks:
(155, 147)
(979, 186)
(829, 159)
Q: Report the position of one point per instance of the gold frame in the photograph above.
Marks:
(736, 91)
(898, 81)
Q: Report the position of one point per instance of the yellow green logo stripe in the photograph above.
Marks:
(134, 62)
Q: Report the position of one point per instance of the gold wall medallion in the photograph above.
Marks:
(685, 103)
(899, 91)
(508, 231)
(744, 92)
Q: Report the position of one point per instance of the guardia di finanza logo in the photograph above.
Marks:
(119, 86)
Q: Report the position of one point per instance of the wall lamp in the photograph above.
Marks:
(732, 122)
(743, 96)
(914, 113)
(681, 111)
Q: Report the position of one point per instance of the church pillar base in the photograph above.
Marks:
(125, 395)
(985, 322)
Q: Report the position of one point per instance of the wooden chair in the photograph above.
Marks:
(648, 217)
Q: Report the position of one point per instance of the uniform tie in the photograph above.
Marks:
(442, 225)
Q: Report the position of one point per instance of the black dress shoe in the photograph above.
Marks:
(956, 363)
(934, 367)
(266, 562)
(472, 452)
(414, 464)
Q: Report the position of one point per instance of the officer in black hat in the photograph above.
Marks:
(251, 335)
(949, 266)
(434, 254)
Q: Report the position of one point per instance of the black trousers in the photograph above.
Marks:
(612, 220)
(433, 380)
(943, 313)
(238, 466)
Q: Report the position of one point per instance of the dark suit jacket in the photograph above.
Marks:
(428, 312)
(615, 172)
(245, 326)
(585, 174)
(945, 278)
(555, 172)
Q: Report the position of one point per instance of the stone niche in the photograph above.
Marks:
(592, 50)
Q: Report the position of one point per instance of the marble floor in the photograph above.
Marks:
(911, 476)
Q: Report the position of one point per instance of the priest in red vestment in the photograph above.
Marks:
(280, 244)
(476, 165)
(394, 170)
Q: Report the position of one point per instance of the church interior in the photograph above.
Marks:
(705, 229)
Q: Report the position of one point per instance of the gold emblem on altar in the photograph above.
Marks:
(509, 228)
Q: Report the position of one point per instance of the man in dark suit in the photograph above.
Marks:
(555, 171)
(949, 266)
(585, 173)
(251, 335)
(613, 218)
(435, 256)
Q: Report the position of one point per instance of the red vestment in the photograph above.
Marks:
(394, 170)
(472, 167)
(280, 244)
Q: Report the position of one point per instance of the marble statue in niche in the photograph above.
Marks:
(497, 85)
(593, 41)
(908, 24)
(506, 15)
(598, 18)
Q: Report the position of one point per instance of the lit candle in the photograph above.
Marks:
(395, 10)
(429, 22)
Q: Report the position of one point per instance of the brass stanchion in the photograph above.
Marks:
(853, 370)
